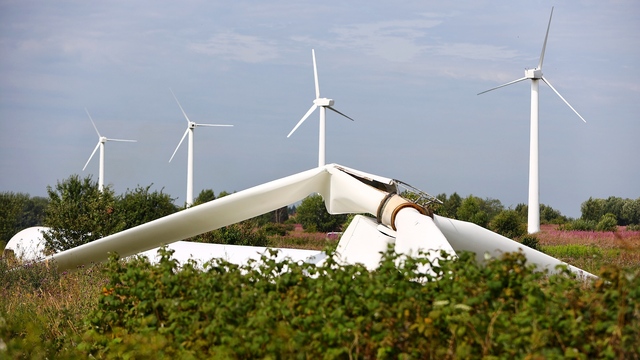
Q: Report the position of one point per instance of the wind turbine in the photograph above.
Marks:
(101, 141)
(190, 128)
(323, 104)
(535, 75)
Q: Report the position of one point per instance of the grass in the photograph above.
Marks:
(590, 250)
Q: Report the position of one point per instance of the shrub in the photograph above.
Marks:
(530, 241)
(508, 223)
(608, 222)
(270, 309)
(578, 225)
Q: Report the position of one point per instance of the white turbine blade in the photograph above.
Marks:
(315, 74)
(313, 107)
(90, 157)
(565, 101)
(180, 143)
(503, 85)
(94, 124)
(544, 45)
(122, 140)
(329, 107)
(213, 125)
(181, 109)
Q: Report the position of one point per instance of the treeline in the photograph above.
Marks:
(77, 213)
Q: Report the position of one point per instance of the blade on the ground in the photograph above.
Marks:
(313, 107)
(315, 74)
(94, 151)
(565, 101)
(181, 109)
(503, 85)
(544, 45)
(330, 108)
(94, 124)
(180, 143)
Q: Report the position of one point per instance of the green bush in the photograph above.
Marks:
(608, 222)
(530, 241)
(270, 309)
(578, 225)
(508, 223)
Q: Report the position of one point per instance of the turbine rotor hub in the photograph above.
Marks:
(533, 73)
(323, 102)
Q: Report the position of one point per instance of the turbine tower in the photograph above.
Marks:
(323, 104)
(535, 75)
(101, 141)
(190, 129)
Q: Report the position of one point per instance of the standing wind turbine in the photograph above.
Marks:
(323, 104)
(190, 127)
(101, 141)
(534, 193)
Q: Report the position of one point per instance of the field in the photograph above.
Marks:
(590, 250)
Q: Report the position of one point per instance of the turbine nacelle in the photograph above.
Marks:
(323, 102)
(103, 139)
(534, 74)
(192, 125)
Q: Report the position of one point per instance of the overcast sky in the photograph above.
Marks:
(407, 72)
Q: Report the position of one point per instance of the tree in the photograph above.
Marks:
(449, 206)
(79, 213)
(508, 223)
(313, 215)
(33, 212)
(140, 206)
(592, 209)
(11, 208)
(631, 211)
(470, 210)
(204, 196)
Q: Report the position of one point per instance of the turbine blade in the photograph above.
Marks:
(214, 125)
(180, 143)
(181, 109)
(565, 101)
(503, 85)
(313, 107)
(94, 124)
(94, 151)
(315, 74)
(122, 140)
(544, 45)
(329, 107)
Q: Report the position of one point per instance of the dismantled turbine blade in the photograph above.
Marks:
(315, 74)
(180, 143)
(311, 109)
(329, 107)
(544, 45)
(503, 85)
(94, 124)
(565, 101)
(90, 157)
(181, 109)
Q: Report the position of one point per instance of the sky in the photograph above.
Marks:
(408, 73)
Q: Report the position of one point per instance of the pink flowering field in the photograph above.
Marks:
(592, 249)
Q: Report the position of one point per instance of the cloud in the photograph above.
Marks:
(476, 51)
(233, 46)
(396, 41)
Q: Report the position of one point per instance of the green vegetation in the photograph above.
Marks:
(268, 309)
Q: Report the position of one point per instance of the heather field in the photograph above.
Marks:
(590, 250)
